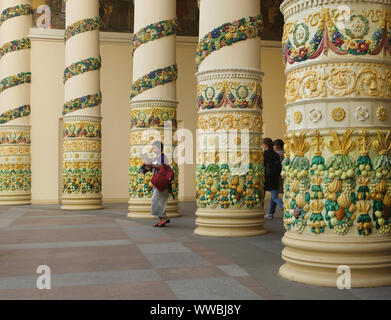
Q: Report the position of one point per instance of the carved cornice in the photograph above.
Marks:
(291, 7)
(150, 103)
(230, 73)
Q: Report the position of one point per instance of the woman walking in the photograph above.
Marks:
(159, 198)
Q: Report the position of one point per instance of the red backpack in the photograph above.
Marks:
(162, 179)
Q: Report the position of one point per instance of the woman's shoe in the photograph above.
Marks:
(163, 223)
(157, 224)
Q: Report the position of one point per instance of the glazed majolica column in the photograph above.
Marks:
(15, 79)
(229, 171)
(338, 171)
(152, 99)
(82, 175)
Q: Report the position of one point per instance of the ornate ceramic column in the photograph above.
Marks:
(152, 98)
(337, 187)
(82, 175)
(230, 172)
(15, 79)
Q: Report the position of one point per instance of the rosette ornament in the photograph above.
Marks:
(15, 161)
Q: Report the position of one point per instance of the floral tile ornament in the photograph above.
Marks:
(355, 39)
(81, 26)
(338, 114)
(315, 115)
(13, 81)
(17, 11)
(87, 101)
(20, 112)
(361, 113)
(157, 77)
(381, 113)
(154, 31)
(82, 66)
(15, 177)
(228, 34)
(15, 45)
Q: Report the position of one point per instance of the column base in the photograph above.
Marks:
(314, 259)
(230, 223)
(15, 198)
(81, 202)
(141, 208)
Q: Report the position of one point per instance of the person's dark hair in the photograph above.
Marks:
(268, 142)
(279, 144)
(158, 144)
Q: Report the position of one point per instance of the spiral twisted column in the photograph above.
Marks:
(82, 174)
(337, 170)
(152, 99)
(15, 79)
(229, 171)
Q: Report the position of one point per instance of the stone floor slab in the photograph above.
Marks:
(211, 289)
(162, 248)
(147, 290)
(183, 259)
(233, 271)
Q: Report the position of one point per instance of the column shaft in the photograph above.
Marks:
(337, 167)
(82, 174)
(15, 79)
(230, 171)
(153, 99)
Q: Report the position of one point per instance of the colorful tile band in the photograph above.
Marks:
(20, 112)
(13, 81)
(88, 101)
(20, 10)
(81, 26)
(155, 78)
(228, 34)
(83, 66)
(15, 45)
(154, 31)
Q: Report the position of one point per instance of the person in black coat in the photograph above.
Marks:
(272, 176)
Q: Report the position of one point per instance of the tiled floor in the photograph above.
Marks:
(105, 255)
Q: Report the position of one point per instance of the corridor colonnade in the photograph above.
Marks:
(337, 168)
(15, 79)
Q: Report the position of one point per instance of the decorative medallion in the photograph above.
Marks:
(357, 26)
(338, 114)
(361, 113)
(381, 113)
(300, 34)
(315, 115)
(297, 117)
